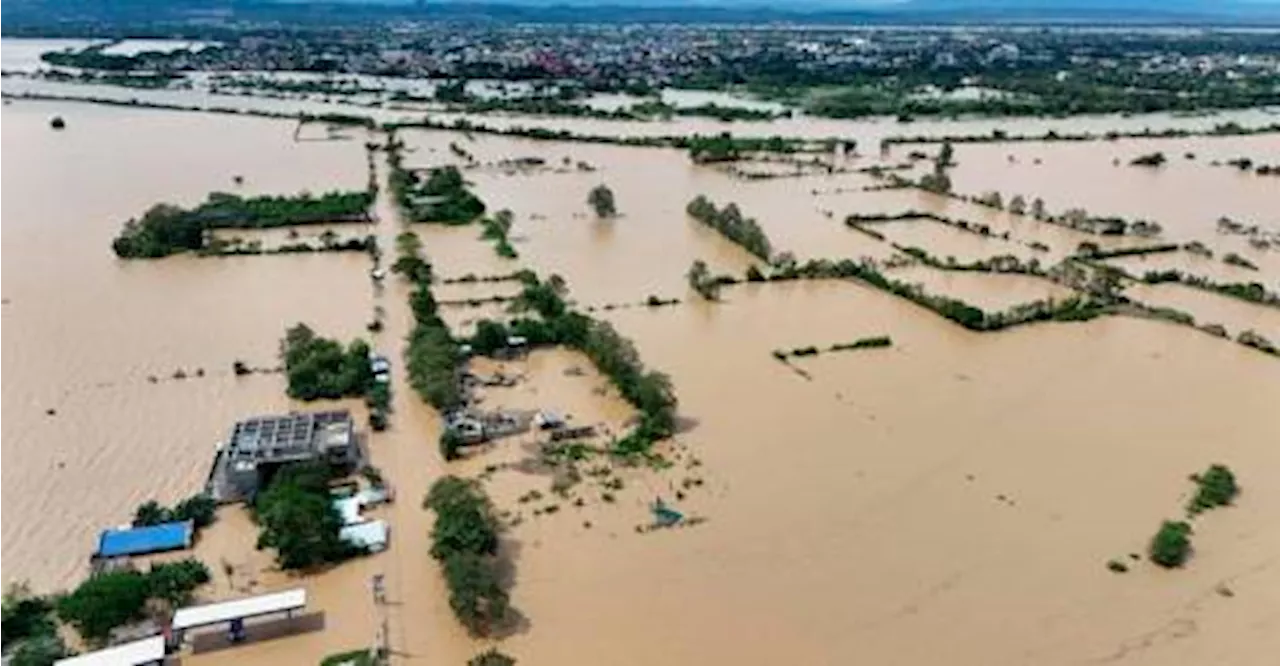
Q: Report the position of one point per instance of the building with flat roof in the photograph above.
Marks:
(260, 445)
(126, 541)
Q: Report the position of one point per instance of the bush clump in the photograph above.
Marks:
(1172, 544)
(318, 367)
(110, 599)
(491, 657)
(200, 509)
(1215, 487)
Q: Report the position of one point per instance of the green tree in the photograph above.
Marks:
(1171, 544)
(317, 367)
(103, 602)
(490, 337)
(601, 201)
(298, 519)
(151, 512)
(201, 509)
(450, 444)
(42, 650)
(173, 582)
(491, 657)
(476, 594)
(25, 615)
(1018, 205)
(1215, 487)
(464, 519)
(946, 155)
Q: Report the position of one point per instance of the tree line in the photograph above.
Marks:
(732, 224)
(167, 229)
(431, 355)
(649, 391)
(464, 540)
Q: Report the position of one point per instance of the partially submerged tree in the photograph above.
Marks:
(1216, 487)
(602, 202)
(491, 657)
(1171, 545)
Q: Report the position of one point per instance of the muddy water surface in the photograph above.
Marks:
(871, 505)
(1186, 195)
(86, 334)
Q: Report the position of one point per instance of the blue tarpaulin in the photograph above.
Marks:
(140, 540)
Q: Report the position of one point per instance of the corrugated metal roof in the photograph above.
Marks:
(371, 534)
(224, 611)
(146, 651)
(140, 540)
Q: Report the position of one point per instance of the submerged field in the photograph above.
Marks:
(953, 498)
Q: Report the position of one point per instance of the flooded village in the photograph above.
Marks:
(864, 408)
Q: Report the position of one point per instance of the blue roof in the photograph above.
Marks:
(140, 540)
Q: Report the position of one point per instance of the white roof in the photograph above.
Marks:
(145, 651)
(223, 611)
(371, 535)
(349, 509)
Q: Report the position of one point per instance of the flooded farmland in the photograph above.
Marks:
(861, 502)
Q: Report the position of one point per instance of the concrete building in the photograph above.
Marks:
(258, 446)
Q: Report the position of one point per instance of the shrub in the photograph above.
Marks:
(174, 581)
(450, 444)
(491, 657)
(602, 202)
(199, 508)
(25, 615)
(1216, 487)
(1148, 160)
(1171, 545)
(41, 650)
(103, 602)
(490, 336)
(352, 658)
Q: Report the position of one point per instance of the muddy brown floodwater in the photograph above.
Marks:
(951, 499)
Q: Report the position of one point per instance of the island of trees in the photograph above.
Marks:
(166, 229)
(443, 196)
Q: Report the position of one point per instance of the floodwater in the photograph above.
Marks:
(132, 47)
(867, 132)
(1186, 196)
(951, 499)
(84, 331)
(23, 55)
